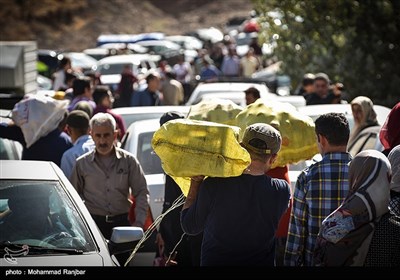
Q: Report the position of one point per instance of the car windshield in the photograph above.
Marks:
(41, 214)
(148, 159)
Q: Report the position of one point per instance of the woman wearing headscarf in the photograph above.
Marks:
(364, 117)
(390, 131)
(385, 245)
(345, 235)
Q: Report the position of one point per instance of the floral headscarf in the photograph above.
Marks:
(345, 235)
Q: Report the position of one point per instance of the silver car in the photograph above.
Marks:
(44, 222)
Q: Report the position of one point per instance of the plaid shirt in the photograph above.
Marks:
(319, 190)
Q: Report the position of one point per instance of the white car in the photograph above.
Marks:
(187, 42)
(81, 61)
(44, 222)
(110, 68)
(138, 142)
(138, 113)
(235, 92)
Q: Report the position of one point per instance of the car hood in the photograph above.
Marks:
(91, 259)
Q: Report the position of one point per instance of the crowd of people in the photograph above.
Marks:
(342, 210)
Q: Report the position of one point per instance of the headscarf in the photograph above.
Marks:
(369, 117)
(345, 235)
(390, 131)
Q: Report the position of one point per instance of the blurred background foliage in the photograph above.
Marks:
(354, 42)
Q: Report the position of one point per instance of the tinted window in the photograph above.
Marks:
(40, 213)
(112, 69)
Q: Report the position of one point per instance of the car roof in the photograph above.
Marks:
(137, 113)
(28, 170)
(166, 43)
(103, 51)
(228, 86)
(317, 110)
(144, 126)
(149, 109)
(123, 58)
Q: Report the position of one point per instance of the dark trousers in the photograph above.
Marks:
(106, 224)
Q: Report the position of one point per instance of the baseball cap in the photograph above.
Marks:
(78, 119)
(171, 115)
(262, 138)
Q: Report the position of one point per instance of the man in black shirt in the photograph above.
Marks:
(239, 215)
(322, 94)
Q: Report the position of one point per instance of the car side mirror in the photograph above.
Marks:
(124, 239)
(126, 234)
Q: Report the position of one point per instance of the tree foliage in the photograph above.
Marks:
(355, 42)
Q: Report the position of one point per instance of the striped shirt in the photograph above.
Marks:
(319, 190)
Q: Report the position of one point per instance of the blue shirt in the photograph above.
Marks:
(81, 146)
(210, 72)
(145, 98)
(47, 148)
(320, 189)
(238, 217)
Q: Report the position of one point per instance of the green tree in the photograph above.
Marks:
(355, 42)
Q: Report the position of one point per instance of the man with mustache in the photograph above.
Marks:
(104, 177)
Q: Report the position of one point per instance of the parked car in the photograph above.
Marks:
(186, 42)
(110, 68)
(138, 113)
(44, 222)
(235, 92)
(97, 53)
(168, 50)
(138, 142)
(189, 44)
(81, 61)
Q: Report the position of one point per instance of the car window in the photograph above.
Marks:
(40, 213)
(115, 68)
(150, 162)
